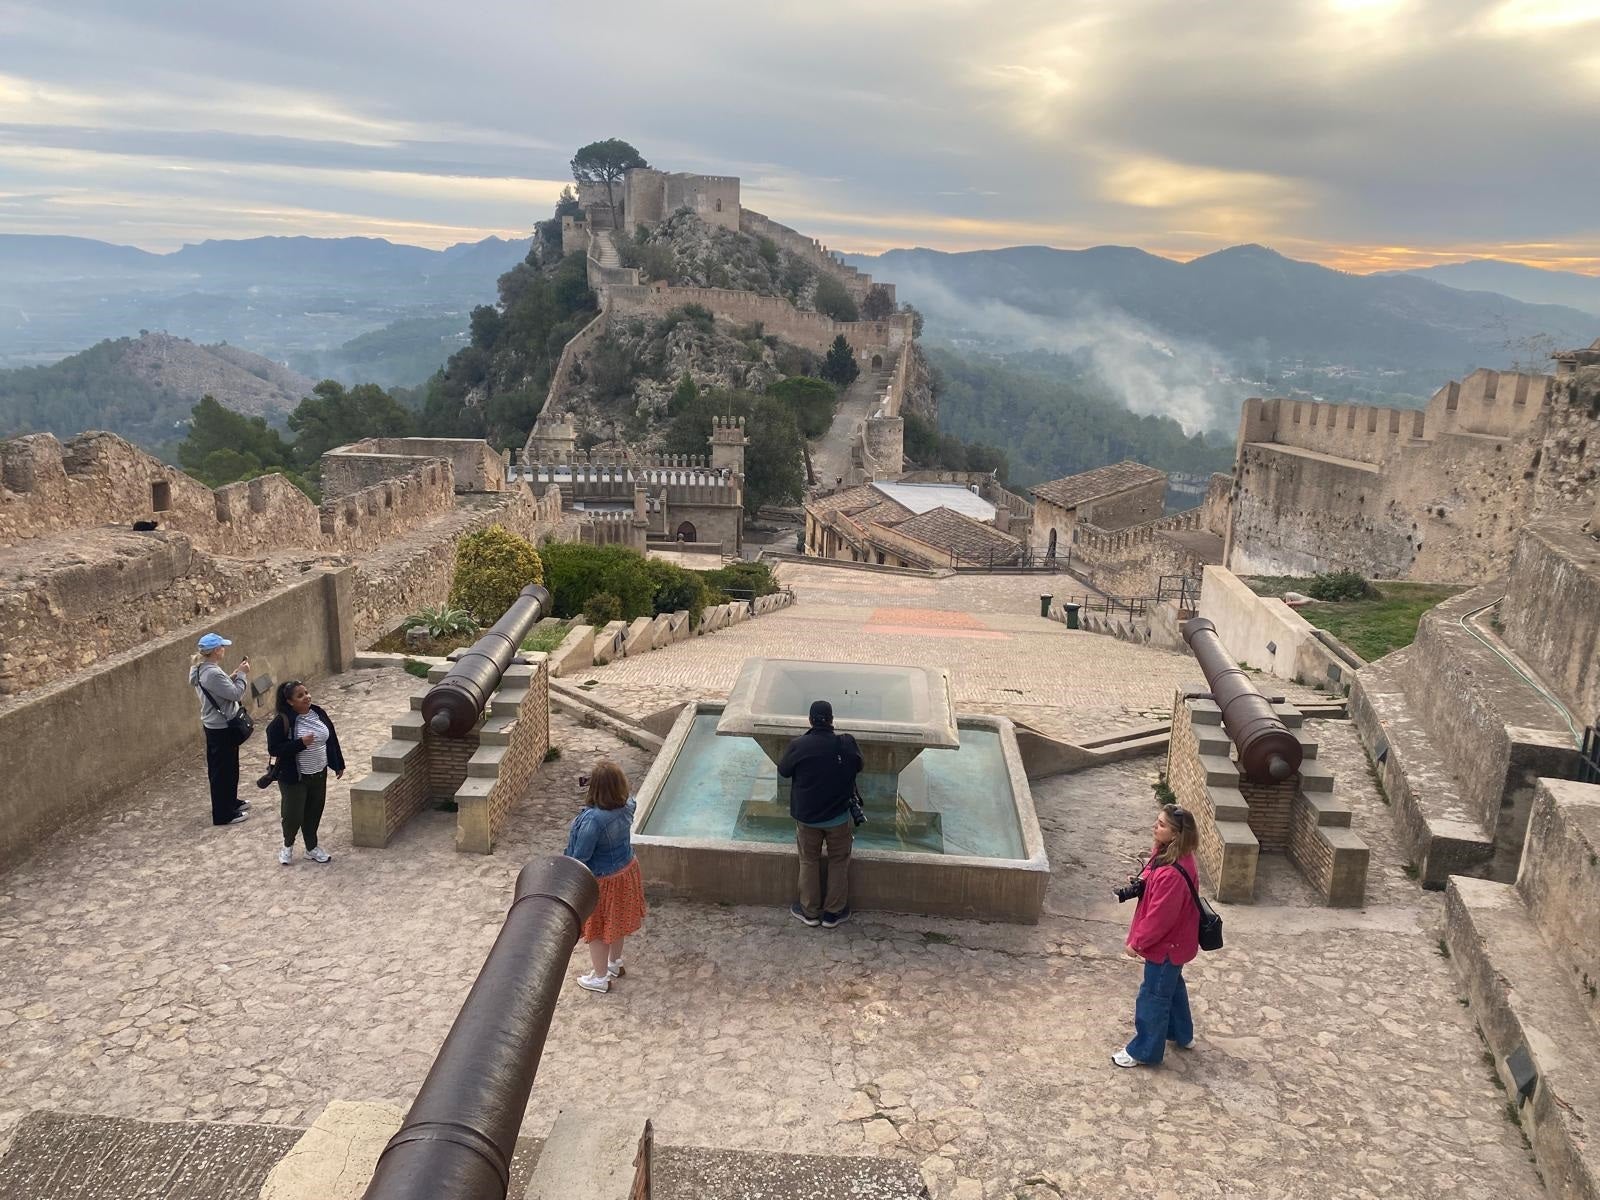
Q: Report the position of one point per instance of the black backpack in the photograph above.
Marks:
(1210, 922)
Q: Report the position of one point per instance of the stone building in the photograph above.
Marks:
(1111, 498)
(899, 524)
(618, 497)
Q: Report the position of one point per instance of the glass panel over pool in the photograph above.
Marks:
(950, 801)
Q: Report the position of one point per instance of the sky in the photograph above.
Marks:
(1363, 134)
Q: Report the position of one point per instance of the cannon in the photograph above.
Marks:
(458, 1138)
(453, 705)
(1268, 751)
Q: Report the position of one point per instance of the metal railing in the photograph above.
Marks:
(1014, 563)
(457, 1140)
(1110, 606)
(1185, 589)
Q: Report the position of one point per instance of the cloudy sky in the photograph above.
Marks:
(1358, 133)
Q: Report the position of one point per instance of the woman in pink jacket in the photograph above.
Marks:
(1166, 934)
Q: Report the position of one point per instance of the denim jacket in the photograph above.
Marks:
(601, 839)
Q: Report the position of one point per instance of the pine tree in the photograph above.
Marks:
(839, 367)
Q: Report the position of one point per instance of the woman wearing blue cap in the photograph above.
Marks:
(220, 695)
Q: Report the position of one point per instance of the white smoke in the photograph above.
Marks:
(1150, 372)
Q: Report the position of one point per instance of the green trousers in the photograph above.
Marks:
(301, 806)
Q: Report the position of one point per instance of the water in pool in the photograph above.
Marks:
(964, 808)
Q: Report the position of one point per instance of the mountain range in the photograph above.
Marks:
(1532, 285)
(284, 297)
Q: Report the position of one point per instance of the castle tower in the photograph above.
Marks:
(553, 440)
(727, 444)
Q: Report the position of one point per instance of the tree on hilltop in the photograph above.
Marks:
(606, 162)
(878, 303)
(332, 416)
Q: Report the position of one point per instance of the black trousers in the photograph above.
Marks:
(301, 807)
(222, 770)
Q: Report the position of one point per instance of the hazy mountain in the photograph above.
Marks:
(1245, 301)
(1190, 340)
(282, 296)
(1529, 284)
(143, 388)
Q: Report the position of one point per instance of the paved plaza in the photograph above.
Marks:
(152, 966)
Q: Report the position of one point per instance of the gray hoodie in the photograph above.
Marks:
(227, 690)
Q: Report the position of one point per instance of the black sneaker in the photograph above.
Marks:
(799, 914)
(830, 920)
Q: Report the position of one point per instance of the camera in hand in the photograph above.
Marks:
(1133, 891)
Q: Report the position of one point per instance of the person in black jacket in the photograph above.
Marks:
(823, 765)
(304, 747)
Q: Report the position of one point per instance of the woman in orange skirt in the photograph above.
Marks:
(601, 838)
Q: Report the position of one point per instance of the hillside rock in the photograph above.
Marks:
(238, 379)
(703, 255)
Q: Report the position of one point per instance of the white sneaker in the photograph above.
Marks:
(1123, 1059)
(240, 819)
(318, 855)
(595, 983)
(286, 855)
(615, 969)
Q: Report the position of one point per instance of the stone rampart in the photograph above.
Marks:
(778, 317)
(562, 378)
(1132, 561)
(477, 466)
(1551, 612)
(303, 629)
(858, 283)
(1264, 633)
(1214, 509)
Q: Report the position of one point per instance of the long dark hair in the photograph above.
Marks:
(285, 710)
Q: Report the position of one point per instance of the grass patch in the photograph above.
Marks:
(1444, 948)
(1371, 627)
(419, 669)
(937, 939)
(1164, 793)
(552, 754)
(545, 640)
(395, 643)
(1411, 870)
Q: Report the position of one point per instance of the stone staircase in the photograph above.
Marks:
(67, 1156)
(1528, 955)
(1459, 740)
(605, 249)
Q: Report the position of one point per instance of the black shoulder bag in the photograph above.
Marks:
(1210, 922)
(858, 814)
(240, 724)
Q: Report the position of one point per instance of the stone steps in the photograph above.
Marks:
(1529, 1008)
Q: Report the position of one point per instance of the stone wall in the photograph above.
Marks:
(1439, 494)
(566, 367)
(1136, 505)
(652, 196)
(1131, 562)
(476, 465)
(779, 318)
(1214, 509)
(107, 591)
(856, 282)
(1248, 624)
(1560, 881)
(1227, 853)
(61, 754)
(1551, 612)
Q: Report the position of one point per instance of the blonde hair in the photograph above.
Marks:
(608, 786)
(1181, 821)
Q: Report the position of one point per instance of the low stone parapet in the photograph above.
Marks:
(575, 653)
(610, 642)
(335, 1158)
(483, 773)
(640, 637)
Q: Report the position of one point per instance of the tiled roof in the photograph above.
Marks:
(961, 535)
(1096, 484)
(855, 500)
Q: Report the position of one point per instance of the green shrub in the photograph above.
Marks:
(419, 669)
(575, 572)
(812, 400)
(741, 580)
(832, 300)
(768, 249)
(441, 622)
(492, 566)
(1339, 585)
(674, 588)
(601, 608)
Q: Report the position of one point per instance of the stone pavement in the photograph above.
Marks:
(153, 966)
(1003, 657)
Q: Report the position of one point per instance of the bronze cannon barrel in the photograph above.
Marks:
(453, 705)
(1268, 751)
(457, 1140)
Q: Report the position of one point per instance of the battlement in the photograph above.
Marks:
(857, 282)
(1499, 404)
(727, 429)
(1091, 539)
(812, 330)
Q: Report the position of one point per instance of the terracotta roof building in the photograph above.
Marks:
(909, 525)
(1109, 498)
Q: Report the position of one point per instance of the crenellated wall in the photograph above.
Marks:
(858, 283)
(1132, 561)
(780, 318)
(477, 466)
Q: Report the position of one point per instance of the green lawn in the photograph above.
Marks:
(546, 639)
(1372, 627)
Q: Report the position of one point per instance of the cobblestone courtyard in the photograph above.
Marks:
(152, 966)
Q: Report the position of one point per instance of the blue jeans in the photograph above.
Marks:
(1160, 1012)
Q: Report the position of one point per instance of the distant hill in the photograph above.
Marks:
(285, 296)
(1244, 301)
(1532, 285)
(403, 353)
(143, 388)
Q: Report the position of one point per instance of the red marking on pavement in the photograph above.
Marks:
(925, 631)
(925, 618)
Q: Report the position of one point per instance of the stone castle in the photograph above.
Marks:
(168, 994)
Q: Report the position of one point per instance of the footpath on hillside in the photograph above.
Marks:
(830, 454)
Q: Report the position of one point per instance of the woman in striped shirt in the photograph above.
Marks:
(304, 746)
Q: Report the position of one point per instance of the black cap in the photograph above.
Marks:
(821, 712)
